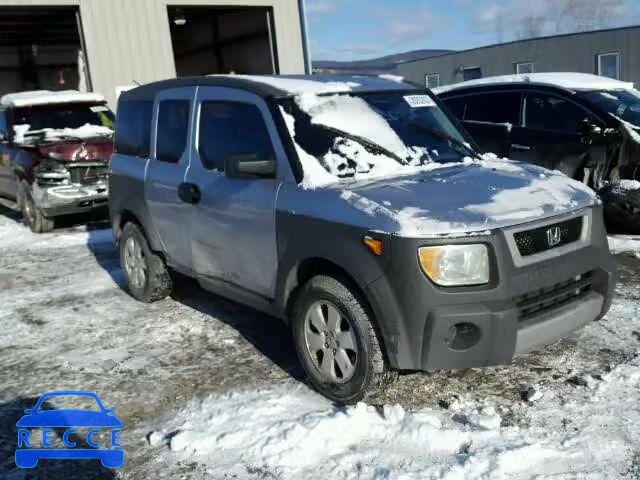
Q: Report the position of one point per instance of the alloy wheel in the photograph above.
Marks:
(134, 263)
(331, 342)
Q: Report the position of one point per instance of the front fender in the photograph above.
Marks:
(302, 238)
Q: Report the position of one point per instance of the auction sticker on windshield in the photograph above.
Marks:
(419, 101)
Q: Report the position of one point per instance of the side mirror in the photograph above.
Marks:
(589, 129)
(249, 166)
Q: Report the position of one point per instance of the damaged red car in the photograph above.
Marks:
(586, 126)
(54, 152)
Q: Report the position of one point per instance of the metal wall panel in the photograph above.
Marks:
(565, 53)
(129, 41)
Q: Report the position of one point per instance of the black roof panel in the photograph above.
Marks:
(359, 83)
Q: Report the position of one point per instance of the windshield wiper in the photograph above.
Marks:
(364, 142)
(462, 147)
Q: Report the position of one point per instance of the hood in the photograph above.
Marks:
(464, 198)
(89, 150)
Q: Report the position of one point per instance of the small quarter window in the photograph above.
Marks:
(133, 128)
(232, 128)
(609, 65)
(472, 73)
(523, 68)
(432, 80)
(173, 128)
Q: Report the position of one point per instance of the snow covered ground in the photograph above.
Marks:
(209, 389)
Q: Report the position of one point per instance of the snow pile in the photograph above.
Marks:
(298, 434)
(23, 132)
(624, 244)
(568, 80)
(392, 78)
(527, 202)
(46, 97)
(629, 184)
(14, 235)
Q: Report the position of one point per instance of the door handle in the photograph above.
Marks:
(520, 148)
(189, 193)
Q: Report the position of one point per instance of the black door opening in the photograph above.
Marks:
(209, 40)
(41, 49)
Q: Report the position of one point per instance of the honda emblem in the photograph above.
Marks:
(554, 236)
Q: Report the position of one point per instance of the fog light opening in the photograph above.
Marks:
(462, 336)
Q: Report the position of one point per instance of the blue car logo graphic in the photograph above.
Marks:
(28, 452)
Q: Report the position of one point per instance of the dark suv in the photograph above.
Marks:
(584, 125)
(354, 209)
(54, 149)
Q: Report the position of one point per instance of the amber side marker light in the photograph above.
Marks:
(374, 245)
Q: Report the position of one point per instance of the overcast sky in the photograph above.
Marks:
(355, 29)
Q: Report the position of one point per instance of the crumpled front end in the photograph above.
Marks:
(71, 179)
(617, 181)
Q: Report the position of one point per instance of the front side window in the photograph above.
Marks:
(524, 68)
(500, 108)
(370, 135)
(231, 129)
(548, 112)
(624, 104)
(609, 65)
(433, 80)
(173, 128)
(472, 73)
(133, 128)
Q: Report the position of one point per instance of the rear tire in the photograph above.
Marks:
(32, 216)
(337, 342)
(146, 272)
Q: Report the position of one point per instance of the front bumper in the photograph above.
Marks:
(425, 327)
(70, 199)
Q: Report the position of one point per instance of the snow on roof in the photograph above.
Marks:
(567, 80)
(44, 97)
(299, 86)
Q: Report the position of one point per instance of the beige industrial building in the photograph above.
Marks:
(107, 45)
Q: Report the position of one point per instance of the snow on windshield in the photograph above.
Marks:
(23, 134)
(355, 117)
(350, 158)
(352, 115)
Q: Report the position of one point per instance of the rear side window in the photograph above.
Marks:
(232, 128)
(173, 128)
(501, 107)
(548, 112)
(133, 128)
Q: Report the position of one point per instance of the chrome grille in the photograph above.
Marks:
(88, 174)
(542, 239)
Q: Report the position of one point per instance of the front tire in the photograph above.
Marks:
(32, 216)
(337, 343)
(147, 276)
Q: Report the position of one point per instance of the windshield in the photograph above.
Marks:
(63, 116)
(372, 134)
(624, 104)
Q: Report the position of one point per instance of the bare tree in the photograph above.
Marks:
(582, 15)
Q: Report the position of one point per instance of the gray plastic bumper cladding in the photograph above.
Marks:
(419, 321)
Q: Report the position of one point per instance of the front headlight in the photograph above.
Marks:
(455, 265)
